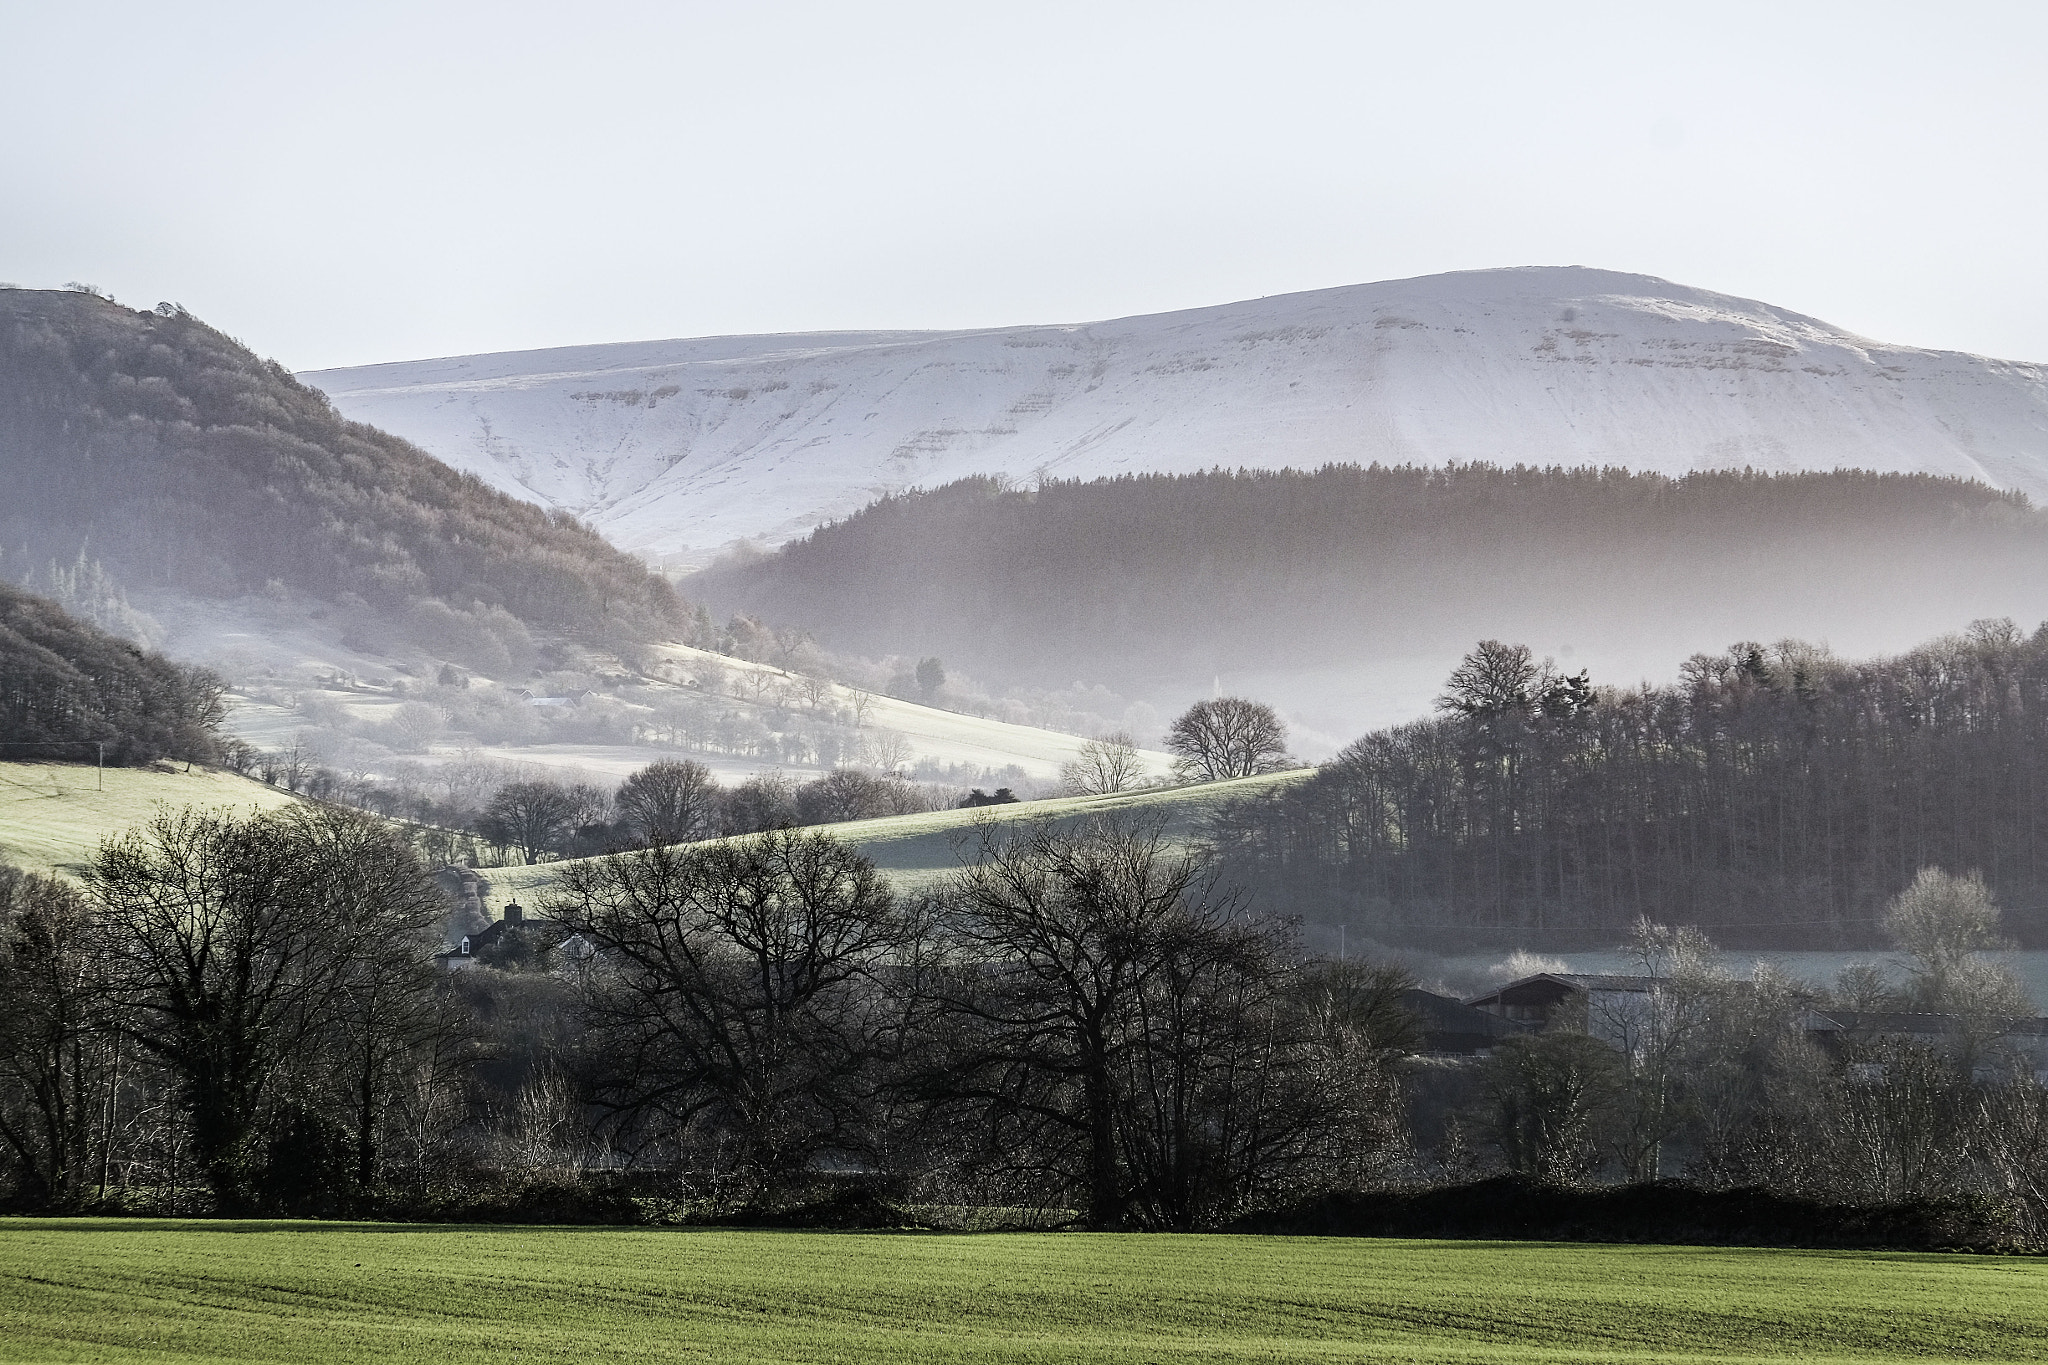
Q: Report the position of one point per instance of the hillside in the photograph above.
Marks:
(65, 684)
(679, 447)
(1345, 595)
(735, 716)
(53, 815)
(914, 850)
(1777, 797)
(173, 459)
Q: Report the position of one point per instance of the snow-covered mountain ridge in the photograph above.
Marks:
(681, 447)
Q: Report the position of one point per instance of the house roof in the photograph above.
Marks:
(491, 933)
(1574, 981)
(1442, 1014)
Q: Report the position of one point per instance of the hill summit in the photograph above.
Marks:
(683, 446)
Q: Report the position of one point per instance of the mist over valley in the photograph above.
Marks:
(1111, 739)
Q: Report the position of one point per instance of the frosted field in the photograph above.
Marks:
(925, 732)
(680, 447)
(53, 815)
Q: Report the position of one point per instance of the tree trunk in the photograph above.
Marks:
(1105, 1195)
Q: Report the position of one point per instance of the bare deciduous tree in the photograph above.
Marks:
(814, 690)
(670, 802)
(291, 766)
(1945, 924)
(1112, 1026)
(244, 944)
(887, 750)
(1105, 764)
(58, 1028)
(1658, 1033)
(731, 1011)
(533, 817)
(1227, 737)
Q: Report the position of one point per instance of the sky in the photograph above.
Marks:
(344, 184)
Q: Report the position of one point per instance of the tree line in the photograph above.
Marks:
(681, 801)
(238, 1015)
(1152, 579)
(1775, 793)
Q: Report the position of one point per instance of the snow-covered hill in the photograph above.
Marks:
(680, 447)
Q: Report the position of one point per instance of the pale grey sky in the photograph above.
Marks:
(366, 181)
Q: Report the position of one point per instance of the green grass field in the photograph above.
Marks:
(133, 1291)
(53, 815)
(915, 849)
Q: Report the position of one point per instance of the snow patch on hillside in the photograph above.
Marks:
(681, 447)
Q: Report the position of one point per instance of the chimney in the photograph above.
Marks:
(514, 913)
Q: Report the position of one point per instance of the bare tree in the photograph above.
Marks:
(589, 804)
(732, 1009)
(414, 726)
(241, 942)
(764, 801)
(711, 675)
(1946, 925)
(1110, 1024)
(533, 817)
(1492, 682)
(670, 802)
(887, 750)
(1107, 763)
(1227, 737)
(292, 766)
(58, 1030)
(845, 794)
(1658, 1033)
(814, 690)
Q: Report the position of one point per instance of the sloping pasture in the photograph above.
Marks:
(915, 850)
(53, 815)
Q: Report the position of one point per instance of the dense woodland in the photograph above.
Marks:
(1775, 794)
(65, 682)
(181, 460)
(1148, 577)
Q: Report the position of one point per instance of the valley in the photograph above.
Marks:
(848, 684)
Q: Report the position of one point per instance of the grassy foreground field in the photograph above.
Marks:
(130, 1291)
(53, 815)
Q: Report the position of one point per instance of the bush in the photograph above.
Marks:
(1516, 1208)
